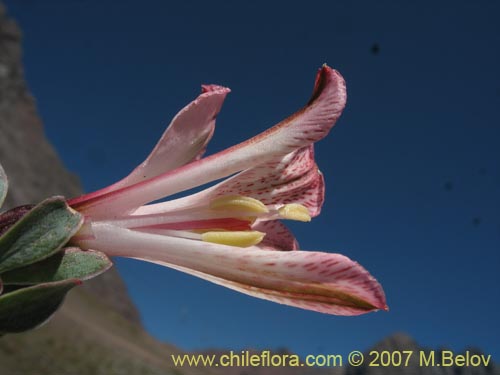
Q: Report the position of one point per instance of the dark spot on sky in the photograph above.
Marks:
(375, 49)
(448, 186)
(476, 221)
(483, 171)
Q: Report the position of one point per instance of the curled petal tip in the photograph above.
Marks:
(330, 82)
(214, 88)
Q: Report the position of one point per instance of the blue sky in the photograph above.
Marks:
(412, 173)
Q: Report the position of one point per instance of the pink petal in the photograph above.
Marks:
(293, 178)
(328, 283)
(296, 300)
(183, 141)
(278, 236)
(186, 137)
(301, 129)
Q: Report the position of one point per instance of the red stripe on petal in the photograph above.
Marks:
(228, 224)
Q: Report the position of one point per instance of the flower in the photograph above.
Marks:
(230, 233)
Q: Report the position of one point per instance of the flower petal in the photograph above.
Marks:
(301, 129)
(293, 178)
(284, 298)
(184, 140)
(186, 137)
(328, 283)
(278, 236)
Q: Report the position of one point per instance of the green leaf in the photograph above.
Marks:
(28, 308)
(71, 263)
(3, 185)
(39, 234)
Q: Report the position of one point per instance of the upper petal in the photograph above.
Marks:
(184, 140)
(301, 129)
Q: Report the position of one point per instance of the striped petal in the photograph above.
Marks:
(301, 129)
(323, 282)
(293, 178)
(278, 236)
(184, 140)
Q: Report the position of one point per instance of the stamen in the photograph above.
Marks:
(234, 238)
(238, 203)
(295, 211)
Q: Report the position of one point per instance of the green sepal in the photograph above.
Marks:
(4, 184)
(28, 308)
(39, 234)
(71, 263)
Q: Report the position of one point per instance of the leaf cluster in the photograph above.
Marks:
(37, 268)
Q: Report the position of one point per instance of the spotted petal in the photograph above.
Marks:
(294, 178)
(278, 236)
(301, 129)
(323, 282)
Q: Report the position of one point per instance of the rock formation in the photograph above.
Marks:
(34, 170)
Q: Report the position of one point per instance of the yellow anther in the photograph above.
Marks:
(238, 203)
(295, 211)
(234, 238)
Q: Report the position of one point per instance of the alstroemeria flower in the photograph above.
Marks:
(230, 233)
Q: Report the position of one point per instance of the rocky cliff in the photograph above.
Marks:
(34, 170)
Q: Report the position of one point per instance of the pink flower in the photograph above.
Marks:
(230, 233)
